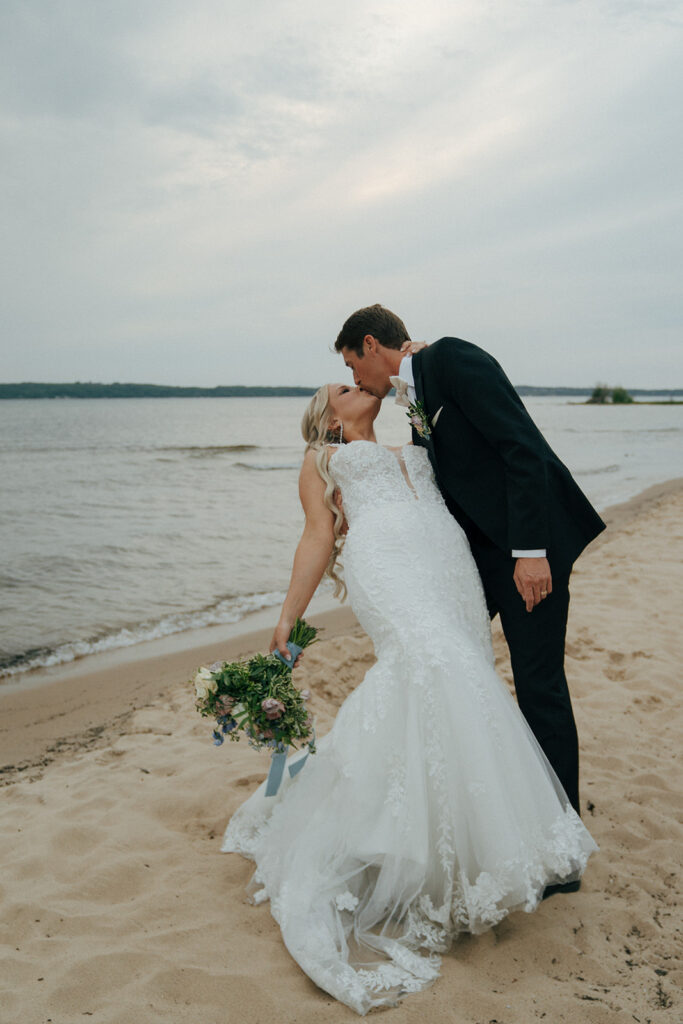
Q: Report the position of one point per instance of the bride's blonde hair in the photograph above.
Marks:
(315, 427)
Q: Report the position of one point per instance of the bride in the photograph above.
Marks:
(429, 808)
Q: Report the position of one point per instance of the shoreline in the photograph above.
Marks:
(78, 710)
(59, 662)
(82, 704)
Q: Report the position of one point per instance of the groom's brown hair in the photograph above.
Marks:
(376, 320)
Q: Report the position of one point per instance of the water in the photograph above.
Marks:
(130, 519)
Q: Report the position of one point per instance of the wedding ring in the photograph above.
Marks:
(544, 593)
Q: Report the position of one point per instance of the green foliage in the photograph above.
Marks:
(620, 396)
(600, 395)
(302, 634)
(238, 689)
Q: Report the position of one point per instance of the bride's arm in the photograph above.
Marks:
(312, 554)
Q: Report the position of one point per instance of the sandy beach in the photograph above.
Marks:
(118, 907)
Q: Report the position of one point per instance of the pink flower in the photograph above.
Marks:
(273, 708)
(416, 421)
(305, 694)
(224, 705)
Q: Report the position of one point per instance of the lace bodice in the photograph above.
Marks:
(369, 476)
(404, 550)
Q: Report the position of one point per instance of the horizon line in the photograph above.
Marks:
(577, 388)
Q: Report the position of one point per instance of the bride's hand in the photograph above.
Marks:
(409, 348)
(279, 641)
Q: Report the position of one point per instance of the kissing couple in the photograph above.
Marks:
(436, 804)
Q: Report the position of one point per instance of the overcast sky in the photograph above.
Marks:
(200, 193)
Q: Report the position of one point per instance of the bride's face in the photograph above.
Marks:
(352, 404)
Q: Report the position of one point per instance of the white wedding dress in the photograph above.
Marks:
(429, 808)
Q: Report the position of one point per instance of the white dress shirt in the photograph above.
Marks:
(405, 373)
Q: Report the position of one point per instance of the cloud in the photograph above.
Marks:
(201, 195)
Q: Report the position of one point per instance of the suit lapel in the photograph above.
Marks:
(416, 363)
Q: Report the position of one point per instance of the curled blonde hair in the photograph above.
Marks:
(315, 428)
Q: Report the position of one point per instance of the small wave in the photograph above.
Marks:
(229, 609)
(624, 432)
(9, 582)
(597, 471)
(267, 466)
(191, 449)
(209, 449)
(29, 449)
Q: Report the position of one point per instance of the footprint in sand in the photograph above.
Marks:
(249, 780)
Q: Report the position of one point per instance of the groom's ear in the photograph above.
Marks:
(370, 344)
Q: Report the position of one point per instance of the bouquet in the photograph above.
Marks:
(258, 698)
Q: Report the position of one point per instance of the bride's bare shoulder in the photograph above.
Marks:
(311, 455)
(310, 464)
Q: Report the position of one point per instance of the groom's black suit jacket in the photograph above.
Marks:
(499, 476)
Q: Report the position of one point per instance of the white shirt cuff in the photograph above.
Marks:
(532, 553)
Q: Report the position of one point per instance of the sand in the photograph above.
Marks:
(118, 907)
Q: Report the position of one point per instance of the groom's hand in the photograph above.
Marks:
(533, 580)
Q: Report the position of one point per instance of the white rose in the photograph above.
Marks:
(237, 710)
(205, 683)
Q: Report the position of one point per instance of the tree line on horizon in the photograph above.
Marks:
(600, 394)
(90, 389)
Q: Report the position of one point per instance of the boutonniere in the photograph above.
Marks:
(418, 419)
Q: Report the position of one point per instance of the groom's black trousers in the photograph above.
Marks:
(536, 643)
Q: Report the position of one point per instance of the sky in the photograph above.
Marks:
(201, 193)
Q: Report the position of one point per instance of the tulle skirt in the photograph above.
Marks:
(428, 810)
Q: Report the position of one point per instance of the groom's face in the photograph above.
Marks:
(369, 367)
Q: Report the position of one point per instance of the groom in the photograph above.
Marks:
(525, 517)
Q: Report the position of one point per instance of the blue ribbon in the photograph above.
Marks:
(277, 768)
(295, 768)
(294, 651)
